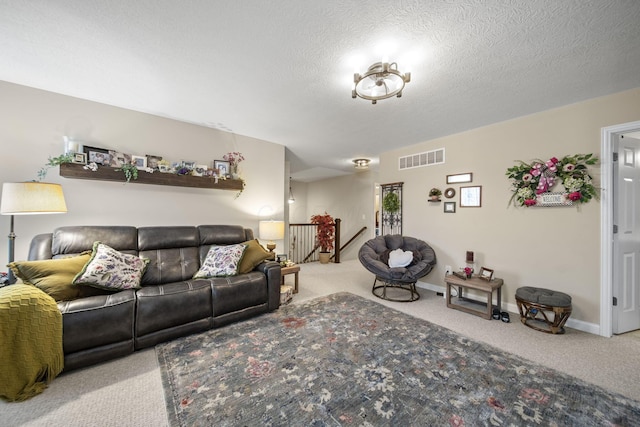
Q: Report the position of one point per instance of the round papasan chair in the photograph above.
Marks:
(374, 256)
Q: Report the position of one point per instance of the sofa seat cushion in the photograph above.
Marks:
(238, 292)
(98, 320)
(172, 304)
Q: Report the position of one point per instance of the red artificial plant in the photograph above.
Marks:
(325, 231)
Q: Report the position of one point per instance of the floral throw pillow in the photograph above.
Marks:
(111, 269)
(221, 261)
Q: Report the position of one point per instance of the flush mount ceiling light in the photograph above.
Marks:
(361, 163)
(382, 80)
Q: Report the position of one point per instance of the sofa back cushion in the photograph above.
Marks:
(221, 235)
(73, 240)
(173, 253)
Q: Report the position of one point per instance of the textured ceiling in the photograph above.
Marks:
(282, 70)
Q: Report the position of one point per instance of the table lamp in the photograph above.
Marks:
(270, 231)
(29, 198)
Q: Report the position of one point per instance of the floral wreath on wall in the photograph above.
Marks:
(532, 180)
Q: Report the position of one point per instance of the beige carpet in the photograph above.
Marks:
(128, 391)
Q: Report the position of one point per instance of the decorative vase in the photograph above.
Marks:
(324, 257)
(233, 169)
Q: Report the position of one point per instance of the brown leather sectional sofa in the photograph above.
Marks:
(170, 303)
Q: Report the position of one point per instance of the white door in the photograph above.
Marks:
(626, 244)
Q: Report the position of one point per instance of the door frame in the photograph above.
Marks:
(606, 223)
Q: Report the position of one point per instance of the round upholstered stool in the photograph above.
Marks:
(543, 309)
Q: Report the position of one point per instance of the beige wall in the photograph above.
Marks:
(557, 248)
(349, 198)
(34, 122)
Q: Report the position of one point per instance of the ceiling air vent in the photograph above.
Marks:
(428, 158)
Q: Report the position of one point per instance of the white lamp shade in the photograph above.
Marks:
(32, 198)
(271, 230)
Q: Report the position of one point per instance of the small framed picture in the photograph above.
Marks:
(486, 274)
(188, 165)
(222, 166)
(164, 168)
(139, 161)
(449, 207)
(152, 161)
(118, 159)
(79, 158)
(96, 155)
(471, 197)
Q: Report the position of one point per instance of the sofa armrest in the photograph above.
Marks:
(272, 270)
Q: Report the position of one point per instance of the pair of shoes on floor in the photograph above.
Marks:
(498, 315)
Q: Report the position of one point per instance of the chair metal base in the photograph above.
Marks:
(381, 290)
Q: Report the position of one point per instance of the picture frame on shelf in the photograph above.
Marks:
(223, 167)
(471, 197)
(460, 178)
(118, 159)
(139, 161)
(99, 156)
(153, 161)
(486, 274)
(449, 207)
(188, 164)
(79, 158)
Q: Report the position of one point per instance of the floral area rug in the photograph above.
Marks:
(343, 360)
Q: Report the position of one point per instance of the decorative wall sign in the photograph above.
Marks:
(533, 181)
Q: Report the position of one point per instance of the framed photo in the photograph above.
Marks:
(222, 166)
(459, 178)
(471, 197)
(99, 156)
(486, 274)
(449, 207)
(164, 168)
(139, 161)
(188, 165)
(152, 161)
(118, 159)
(80, 158)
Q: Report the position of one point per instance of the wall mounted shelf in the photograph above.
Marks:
(105, 173)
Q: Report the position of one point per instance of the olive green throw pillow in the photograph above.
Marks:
(253, 255)
(54, 276)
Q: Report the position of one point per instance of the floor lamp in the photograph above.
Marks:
(29, 198)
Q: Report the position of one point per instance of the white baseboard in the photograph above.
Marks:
(580, 325)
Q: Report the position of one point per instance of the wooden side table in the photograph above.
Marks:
(477, 284)
(294, 269)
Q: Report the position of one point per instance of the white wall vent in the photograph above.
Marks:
(428, 158)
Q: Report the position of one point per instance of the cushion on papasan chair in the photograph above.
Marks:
(374, 256)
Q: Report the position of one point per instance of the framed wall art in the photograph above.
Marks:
(459, 178)
(471, 197)
(449, 207)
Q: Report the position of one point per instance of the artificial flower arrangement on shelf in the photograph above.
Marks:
(234, 158)
(533, 181)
